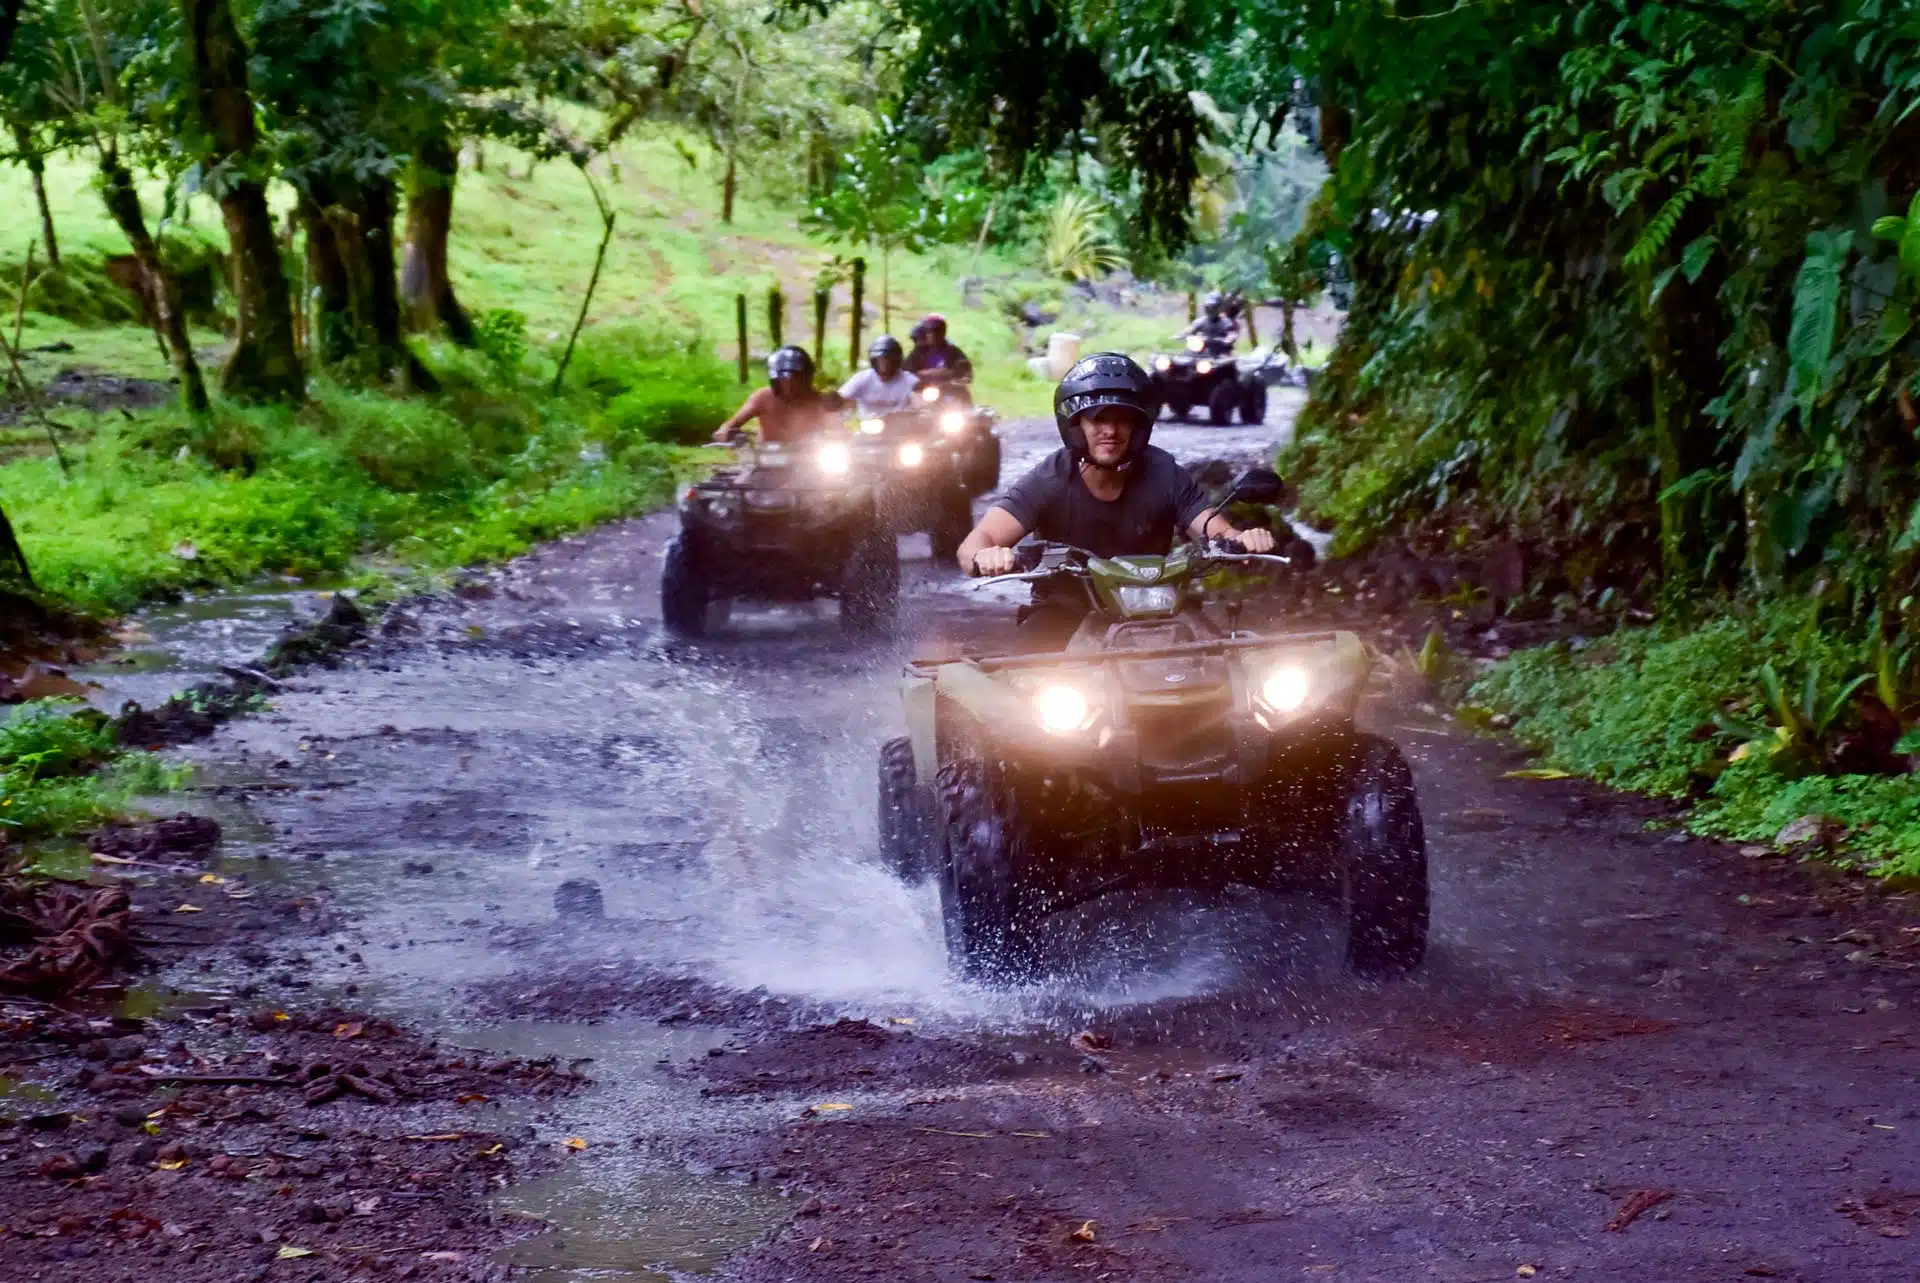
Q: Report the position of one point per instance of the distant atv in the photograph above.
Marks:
(1209, 374)
(920, 477)
(789, 523)
(1156, 750)
(970, 427)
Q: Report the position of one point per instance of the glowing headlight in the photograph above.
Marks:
(1203, 367)
(930, 395)
(1286, 689)
(1060, 709)
(1196, 344)
(911, 455)
(1139, 599)
(953, 421)
(835, 458)
(873, 425)
(1163, 363)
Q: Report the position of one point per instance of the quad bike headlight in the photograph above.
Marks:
(1061, 709)
(953, 421)
(1144, 599)
(872, 426)
(835, 458)
(1163, 363)
(1196, 344)
(912, 455)
(930, 395)
(1203, 367)
(1286, 689)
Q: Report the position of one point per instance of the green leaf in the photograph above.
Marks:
(1693, 260)
(1816, 298)
(1895, 323)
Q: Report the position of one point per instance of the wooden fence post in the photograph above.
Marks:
(859, 304)
(822, 299)
(776, 313)
(740, 330)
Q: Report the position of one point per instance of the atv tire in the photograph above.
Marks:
(990, 935)
(983, 474)
(1180, 409)
(870, 584)
(903, 814)
(1253, 404)
(684, 594)
(952, 523)
(1222, 402)
(1383, 857)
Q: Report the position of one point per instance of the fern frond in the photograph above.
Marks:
(1660, 228)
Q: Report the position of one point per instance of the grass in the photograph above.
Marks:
(1644, 710)
(61, 771)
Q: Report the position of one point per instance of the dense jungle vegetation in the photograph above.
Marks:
(1630, 286)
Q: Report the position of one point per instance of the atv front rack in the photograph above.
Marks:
(1213, 646)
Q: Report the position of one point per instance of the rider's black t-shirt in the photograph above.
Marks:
(1160, 498)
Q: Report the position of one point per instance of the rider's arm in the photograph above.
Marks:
(997, 533)
(959, 368)
(1211, 525)
(751, 410)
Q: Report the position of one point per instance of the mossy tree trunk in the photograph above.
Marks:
(265, 364)
(426, 286)
(123, 205)
(332, 321)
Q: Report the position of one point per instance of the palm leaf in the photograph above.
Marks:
(1816, 299)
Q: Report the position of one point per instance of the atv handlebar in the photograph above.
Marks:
(1031, 556)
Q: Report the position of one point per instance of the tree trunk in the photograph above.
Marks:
(265, 364)
(424, 281)
(727, 187)
(12, 555)
(380, 300)
(332, 323)
(123, 204)
(1288, 343)
(9, 23)
(37, 169)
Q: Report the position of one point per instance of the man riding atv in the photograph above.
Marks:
(1217, 330)
(1106, 490)
(884, 388)
(789, 408)
(933, 359)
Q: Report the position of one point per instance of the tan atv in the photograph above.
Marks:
(1159, 749)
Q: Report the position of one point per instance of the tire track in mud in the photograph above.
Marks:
(1609, 1009)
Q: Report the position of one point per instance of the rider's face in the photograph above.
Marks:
(785, 386)
(886, 366)
(1109, 432)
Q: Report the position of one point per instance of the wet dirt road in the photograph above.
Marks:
(1631, 1055)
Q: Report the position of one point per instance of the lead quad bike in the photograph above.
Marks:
(920, 477)
(785, 523)
(974, 429)
(1208, 374)
(1158, 750)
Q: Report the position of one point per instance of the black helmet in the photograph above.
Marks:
(886, 345)
(1105, 378)
(1212, 303)
(791, 360)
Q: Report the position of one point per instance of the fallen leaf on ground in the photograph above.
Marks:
(1093, 1040)
(492, 1150)
(443, 1256)
(212, 880)
(942, 1131)
(899, 1020)
(829, 1107)
(1637, 1204)
(1526, 1271)
(1084, 1234)
(1539, 773)
(351, 1029)
(462, 1136)
(188, 908)
(1033, 1135)
(111, 859)
(366, 1206)
(816, 1245)
(288, 1252)
(470, 1098)
(173, 1164)
(576, 1143)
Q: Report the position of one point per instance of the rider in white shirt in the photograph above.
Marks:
(884, 389)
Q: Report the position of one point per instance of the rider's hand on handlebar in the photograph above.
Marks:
(1257, 540)
(726, 436)
(993, 561)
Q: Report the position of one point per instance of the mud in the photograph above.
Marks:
(1630, 1055)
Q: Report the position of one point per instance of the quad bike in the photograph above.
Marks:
(1208, 374)
(788, 523)
(920, 477)
(1157, 750)
(970, 427)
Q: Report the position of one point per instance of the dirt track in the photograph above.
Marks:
(1613, 1018)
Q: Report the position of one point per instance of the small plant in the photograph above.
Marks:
(1079, 246)
(1805, 734)
(501, 335)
